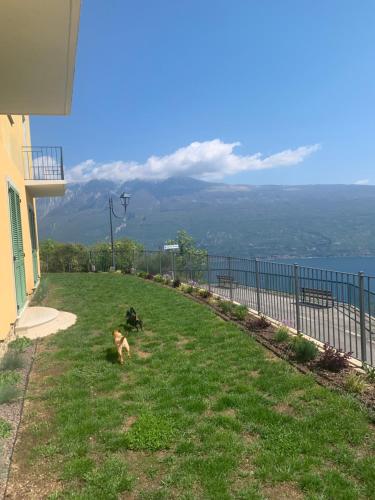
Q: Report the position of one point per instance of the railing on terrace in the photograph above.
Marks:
(346, 320)
(43, 163)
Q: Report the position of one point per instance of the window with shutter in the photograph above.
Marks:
(17, 244)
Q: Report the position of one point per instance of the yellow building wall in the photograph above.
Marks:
(12, 138)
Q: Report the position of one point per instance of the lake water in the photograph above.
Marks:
(345, 264)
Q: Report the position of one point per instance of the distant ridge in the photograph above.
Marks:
(246, 220)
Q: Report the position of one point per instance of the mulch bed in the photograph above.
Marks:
(12, 413)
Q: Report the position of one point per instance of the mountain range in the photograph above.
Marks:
(242, 220)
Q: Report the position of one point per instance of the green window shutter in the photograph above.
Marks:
(34, 244)
(17, 244)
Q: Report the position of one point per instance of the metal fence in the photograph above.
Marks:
(329, 306)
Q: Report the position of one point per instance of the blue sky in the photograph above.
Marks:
(291, 78)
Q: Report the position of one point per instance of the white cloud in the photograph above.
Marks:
(362, 182)
(209, 160)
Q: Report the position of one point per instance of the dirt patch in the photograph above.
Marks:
(282, 491)
(129, 422)
(40, 486)
(254, 373)
(285, 409)
(143, 354)
(229, 412)
(249, 438)
(149, 470)
(180, 344)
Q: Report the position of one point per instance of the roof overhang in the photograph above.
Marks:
(38, 40)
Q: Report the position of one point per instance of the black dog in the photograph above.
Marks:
(132, 319)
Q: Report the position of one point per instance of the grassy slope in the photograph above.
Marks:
(199, 411)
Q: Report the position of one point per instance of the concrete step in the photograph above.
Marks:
(38, 322)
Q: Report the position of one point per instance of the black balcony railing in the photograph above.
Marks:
(43, 163)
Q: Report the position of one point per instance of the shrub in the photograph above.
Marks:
(158, 278)
(257, 324)
(282, 334)
(205, 294)
(20, 344)
(8, 393)
(149, 276)
(333, 359)
(239, 311)
(354, 383)
(176, 283)
(5, 429)
(303, 350)
(142, 274)
(370, 372)
(11, 361)
(189, 289)
(225, 307)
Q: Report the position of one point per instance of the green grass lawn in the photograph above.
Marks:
(199, 411)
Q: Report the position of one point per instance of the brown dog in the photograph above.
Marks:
(121, 342)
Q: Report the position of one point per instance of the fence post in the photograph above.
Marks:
(230, 278)
(208, 273)
(146, 261)
(362, 318)
(296, 292)
(257, 284)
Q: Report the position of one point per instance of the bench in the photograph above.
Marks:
(225, 281)
(315, 297)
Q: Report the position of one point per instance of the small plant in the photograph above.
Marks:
(149, 276)
(282, 334)
(355, 383)
(303, 350)
(12, 360)
(239, 311)
(257, 324)
(189, 289)
(5, 429)
(205, 294)
(158, 278)
(20, 344)
(176, 283)
(225, 307)
(142, 274)
(370, 372)
(8, 393)
(333, 359)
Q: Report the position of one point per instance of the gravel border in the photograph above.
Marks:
(12, 413)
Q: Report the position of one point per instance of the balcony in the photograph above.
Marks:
(44, 171)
